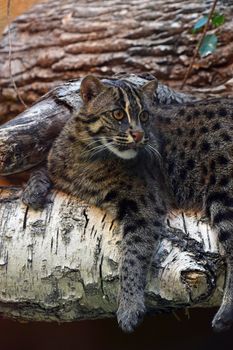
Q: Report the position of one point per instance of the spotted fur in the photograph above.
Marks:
(196, 146)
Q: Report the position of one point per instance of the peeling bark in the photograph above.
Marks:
(62, 263)
(59, 40)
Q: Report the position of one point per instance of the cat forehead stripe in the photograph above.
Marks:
(133, 92)
(127, 103)
(131, 99)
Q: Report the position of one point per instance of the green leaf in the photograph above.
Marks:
(209, 45)
(200, 23)
(218, 19)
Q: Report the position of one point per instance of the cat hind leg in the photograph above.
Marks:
(220, 212)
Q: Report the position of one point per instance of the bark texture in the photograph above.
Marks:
(62, 263)
(60, 40)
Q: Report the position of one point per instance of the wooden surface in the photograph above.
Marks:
(61, 264)
(60, 40)
(16, 8)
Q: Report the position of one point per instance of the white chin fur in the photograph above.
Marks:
(128, 154)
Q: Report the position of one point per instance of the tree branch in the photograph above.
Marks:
(62, 263)
(199, 43)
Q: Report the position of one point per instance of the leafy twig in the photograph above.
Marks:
(199, 44)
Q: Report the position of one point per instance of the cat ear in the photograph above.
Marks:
(90, 88)
(150, 88)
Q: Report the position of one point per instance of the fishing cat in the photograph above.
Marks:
(137, 161)
(105, 155)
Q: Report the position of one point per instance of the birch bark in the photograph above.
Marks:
(62, 263)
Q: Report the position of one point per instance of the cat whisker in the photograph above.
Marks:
(150, 153)
(93, 139)
(100, 148)
(87, 149)
(98, 140)
(154, 151)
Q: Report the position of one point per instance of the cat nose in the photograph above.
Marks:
(137, 135)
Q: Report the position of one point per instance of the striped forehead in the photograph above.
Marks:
(130, 101)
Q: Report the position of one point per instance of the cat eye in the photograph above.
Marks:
(144, 116)
(119, 114)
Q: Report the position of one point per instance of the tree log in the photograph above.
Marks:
(62, 263)
(59, 40)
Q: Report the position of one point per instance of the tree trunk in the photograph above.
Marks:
(60, 40)
(62, 263)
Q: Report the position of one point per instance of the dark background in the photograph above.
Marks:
(159, 332)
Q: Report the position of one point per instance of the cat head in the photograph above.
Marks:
(117, 117)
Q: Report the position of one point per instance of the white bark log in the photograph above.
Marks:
(62, 263)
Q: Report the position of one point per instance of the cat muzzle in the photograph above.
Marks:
(137, 135)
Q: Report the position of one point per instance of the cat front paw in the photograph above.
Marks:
(223, 319)
(130, 315)
(34, 199)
